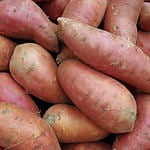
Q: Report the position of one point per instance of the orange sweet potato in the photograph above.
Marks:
(122, 16)
(143, 41)
(103, 99)
(71, 125)
(138, 139)
(106, 52)
(87, 146)
(6, 49)
(35, 70)
(21, 130)
(10, 91)
(24, 19)
(144, 19)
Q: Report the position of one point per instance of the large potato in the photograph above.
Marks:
(103, 99)
(35, 70)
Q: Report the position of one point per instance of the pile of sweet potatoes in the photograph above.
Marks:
(74, 74)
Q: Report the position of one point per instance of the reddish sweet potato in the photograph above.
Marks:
(87, 11)
(71, 125)
(87, 146)
(35, 70)
(24, 19)
(143, 41)
(54, 8)
(122, 16)
(10, 91)
(6, 49)
(144, 19)
(138, 139)
(112, 54)
(21, 130)
(103, 99)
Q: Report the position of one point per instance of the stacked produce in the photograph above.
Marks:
(74, 74)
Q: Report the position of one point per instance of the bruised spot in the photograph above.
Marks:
(6, 110)
(115, 27)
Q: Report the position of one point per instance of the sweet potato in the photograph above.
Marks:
(87, 146)
(143, 41)
(121, 18)
(103, 99)
(87, 11)
(35, 70)
(138, 139)
(24, 19)
(144, 19)
(10, 91)
(6, 49)
(54, 8)
(64, 54)
(106, 52)
(21, 130)
(71, 125)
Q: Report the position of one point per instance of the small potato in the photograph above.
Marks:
(35, 70)
(71, 125)
(6, 49)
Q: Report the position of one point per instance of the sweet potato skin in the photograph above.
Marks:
(6, 49)
(54, 8)
(35, 70)
(121, 18)
(87, 146)
(98, 96)
(17, 22)
(71, 125)
(21, 130)
(90, 12)
(143, 42)
(144, 19)
(14, 93)
(107, 52)
(139, 137)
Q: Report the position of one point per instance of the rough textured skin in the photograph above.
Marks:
(107, 52)
(21, 130)
(144, 19)
(87, 11)
(54, 8)
(71, 125)
(103, 99)
(24, 19)
(6, 49)
(87, 146)
(143, 41)
(35, 70)
(138, 139)
(10, 91)
(122, 16)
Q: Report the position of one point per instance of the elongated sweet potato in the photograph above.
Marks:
(122, 16)
(10, 91)
(24, 19)
(87, 146)
(71, 125)
(138, 139)
(21, 130)
(6, 49)
(54, 8)
(35, 70)
(103, 99)
(106, 52)
(87, 11)
(143, 41)
(144, 19)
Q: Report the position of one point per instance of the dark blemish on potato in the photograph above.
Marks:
(38, 147)
(6, 110)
